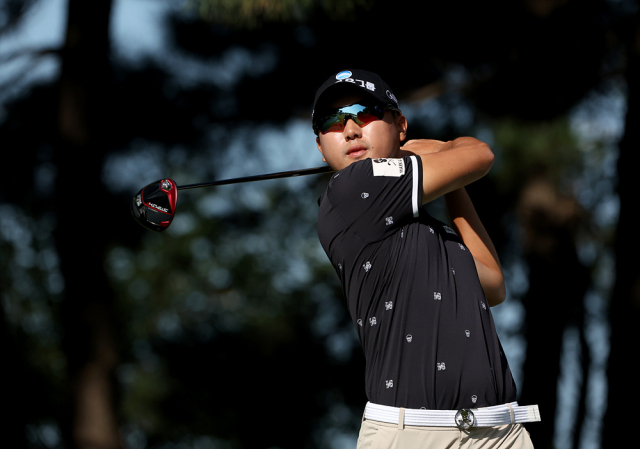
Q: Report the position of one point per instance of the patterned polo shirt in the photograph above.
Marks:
(412, 291)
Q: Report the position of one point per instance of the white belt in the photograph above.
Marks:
(496, 415)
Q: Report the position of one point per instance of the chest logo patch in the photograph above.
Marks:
(388, 167)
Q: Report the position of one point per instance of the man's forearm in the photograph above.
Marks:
(424, 146)
(448, 166)
(475, 237)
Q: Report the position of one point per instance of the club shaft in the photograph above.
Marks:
(284, 174)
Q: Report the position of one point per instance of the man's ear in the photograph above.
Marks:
(320, 149)
(401, 123)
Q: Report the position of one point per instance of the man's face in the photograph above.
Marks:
(378, 139)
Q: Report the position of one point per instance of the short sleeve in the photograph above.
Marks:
(375, 197)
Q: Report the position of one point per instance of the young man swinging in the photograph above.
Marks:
(418, 290)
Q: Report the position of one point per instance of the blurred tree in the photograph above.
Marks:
(557, 282)
(89, 339)
(625, 298)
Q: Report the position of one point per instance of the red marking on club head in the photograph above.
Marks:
(172, 193)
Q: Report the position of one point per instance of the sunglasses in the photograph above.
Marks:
(362, 115)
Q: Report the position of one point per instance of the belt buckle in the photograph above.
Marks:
(465, 419)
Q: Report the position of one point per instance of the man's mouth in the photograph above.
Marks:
(356, 151)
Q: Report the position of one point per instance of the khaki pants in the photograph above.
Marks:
(380, 435)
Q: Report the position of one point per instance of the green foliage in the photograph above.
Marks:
(253, 13)
(528, 148)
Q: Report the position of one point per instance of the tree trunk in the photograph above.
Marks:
(557, 285)
(624, 308)
(81, 235)
(585, 366)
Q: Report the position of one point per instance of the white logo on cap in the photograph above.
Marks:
(393, 97)
(343, 75)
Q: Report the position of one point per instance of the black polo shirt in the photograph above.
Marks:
(413, 292)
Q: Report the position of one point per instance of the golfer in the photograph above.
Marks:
(419, 291)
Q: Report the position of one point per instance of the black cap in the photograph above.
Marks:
(360, 81)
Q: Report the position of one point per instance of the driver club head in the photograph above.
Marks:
(155, 205)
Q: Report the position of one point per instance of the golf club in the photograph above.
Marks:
(155, 204)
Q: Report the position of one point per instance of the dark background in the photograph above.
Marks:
(228, 330)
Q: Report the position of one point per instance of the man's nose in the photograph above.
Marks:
(352, 130)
